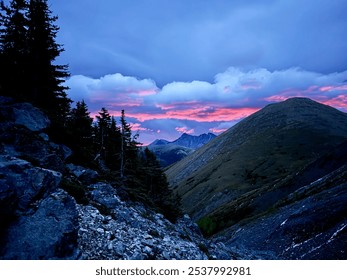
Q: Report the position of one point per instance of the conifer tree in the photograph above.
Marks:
(46, 78)
(157, 187)
(102, 130)
(104, 122)
(129, 146)
(80, 132)
(13, 49)
(113, 146)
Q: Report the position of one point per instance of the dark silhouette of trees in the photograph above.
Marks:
(137, 170)
(45, 88)
(157, 187)
(80, 134)
(129, 147)
(13, 49)
(27, 53)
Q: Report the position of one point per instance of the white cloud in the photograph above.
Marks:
(109, 86)
(235, 87)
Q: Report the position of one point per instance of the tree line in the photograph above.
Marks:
(28, 52)
(110, 147)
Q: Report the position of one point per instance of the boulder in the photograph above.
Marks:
(104, 194)
(22, 184)
(85, 175)
(48, 233)
(25, 114)
(19, 141)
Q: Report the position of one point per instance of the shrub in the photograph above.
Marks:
(207, 225)
(75, 190)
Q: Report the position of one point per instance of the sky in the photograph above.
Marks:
(200, 66)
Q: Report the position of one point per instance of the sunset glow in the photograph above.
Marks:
(199, 107)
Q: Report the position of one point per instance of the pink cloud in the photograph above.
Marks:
(233, 95)
(333, 88)
(217, 130)
(202, 114)
(339, 102)
(138, 127)
(185, 129)
(147, 92)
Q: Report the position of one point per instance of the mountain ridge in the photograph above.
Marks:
(170, 152)
(267, 146)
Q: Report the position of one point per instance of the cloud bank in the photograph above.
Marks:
(200, 106)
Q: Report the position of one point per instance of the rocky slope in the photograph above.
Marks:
(170, 152)
(132, 231)
(40, 220)
(309, 223)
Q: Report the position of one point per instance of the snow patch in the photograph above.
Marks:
(336, 233)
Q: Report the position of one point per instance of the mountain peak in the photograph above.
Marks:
(171, 152)
(192, 141)
(159, 142)
(269, 145)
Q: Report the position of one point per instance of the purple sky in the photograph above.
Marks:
(200, 66)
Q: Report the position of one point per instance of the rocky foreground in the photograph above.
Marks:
(40, 220)
(53, 210)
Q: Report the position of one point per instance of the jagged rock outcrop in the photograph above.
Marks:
(37, 219)
(27, 115)
(22, 136)
(23, 114)
(47, 231)
(22, 184)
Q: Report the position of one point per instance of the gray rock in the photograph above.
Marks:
(21, 142)
(49, 233)
(23, 184)
(119, 248)
(27, 115)
(61, 150)
(85, 175)
(136, 232)
(44, 136)
(104, 194)
(5, 100)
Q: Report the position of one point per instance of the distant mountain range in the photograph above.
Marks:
(170, 152)
(276, 181)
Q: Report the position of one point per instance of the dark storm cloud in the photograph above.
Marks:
(186, 40)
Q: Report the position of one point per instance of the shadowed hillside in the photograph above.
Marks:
(255, 156)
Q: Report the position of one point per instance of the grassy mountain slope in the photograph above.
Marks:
(254, 156)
